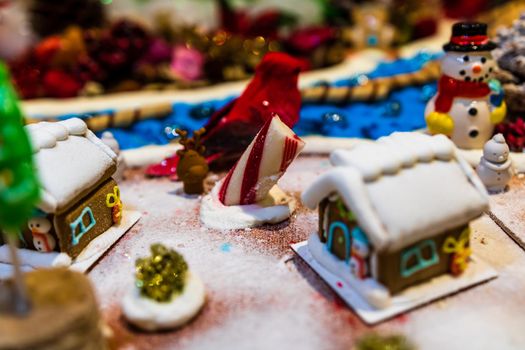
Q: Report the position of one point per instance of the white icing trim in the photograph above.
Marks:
(472, 175)
(391, 153)
(370, 289)
(478, 271)
(103, 147)
(46, 135)
(35, 259)
(75, 126)
(70, 159)
(48, 203)
(325, 220)
(90, 254)
(350, 185)
(374, 265)
(150, 315)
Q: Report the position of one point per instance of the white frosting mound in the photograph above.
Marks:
(216, 215)
(150, 315)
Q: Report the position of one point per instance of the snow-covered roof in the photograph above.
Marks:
(403, 188)
(70, 161)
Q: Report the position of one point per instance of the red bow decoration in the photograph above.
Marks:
(273, 90)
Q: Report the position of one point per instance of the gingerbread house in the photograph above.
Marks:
(79, 199)
(395, 213)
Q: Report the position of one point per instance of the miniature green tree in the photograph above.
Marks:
(19, 189)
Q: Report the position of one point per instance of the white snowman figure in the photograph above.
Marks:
(360, 252)
(495, 168)
(462, 107)
(42, 239)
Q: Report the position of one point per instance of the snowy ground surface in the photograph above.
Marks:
(262, 296)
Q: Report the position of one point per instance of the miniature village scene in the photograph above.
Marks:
(260, 174)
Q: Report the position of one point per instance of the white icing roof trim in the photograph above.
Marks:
(403, 188)
(70, 159)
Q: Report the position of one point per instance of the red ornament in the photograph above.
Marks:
(27, 79)
(46, 50)
(87, 69)
(424, 28)
(273, 90)
(60, 84)
(514, 133)
(306, 40)
(265, 24)
(464, 8)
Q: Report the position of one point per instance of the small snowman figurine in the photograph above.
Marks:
(495, 168)
(360, 252)
(42, 239)
(462, 108)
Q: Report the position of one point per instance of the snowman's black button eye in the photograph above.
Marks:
(466, 58)
(483, 60)
(37, 225)
(473, 133)
(473, 111)
(490, 69)
(462, 72)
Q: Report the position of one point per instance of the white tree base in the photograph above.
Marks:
(361, 295)
(31, 259)
(150, 315)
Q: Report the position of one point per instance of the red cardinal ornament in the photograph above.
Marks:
(273, 90)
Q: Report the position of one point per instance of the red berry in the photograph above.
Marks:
(60, 84)
(46, 50)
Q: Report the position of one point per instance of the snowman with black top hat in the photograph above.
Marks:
(468, 102)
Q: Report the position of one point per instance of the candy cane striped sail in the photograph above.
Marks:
(261, 165)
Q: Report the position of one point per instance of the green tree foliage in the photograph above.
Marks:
(19, 189)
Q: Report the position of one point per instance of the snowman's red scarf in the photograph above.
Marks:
(450, 88)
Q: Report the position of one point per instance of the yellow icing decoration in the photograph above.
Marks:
(113, 201)
(498, 114)
(440, 123)
(461, 250)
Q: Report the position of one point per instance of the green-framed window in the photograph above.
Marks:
(85, 222)
(419, 257)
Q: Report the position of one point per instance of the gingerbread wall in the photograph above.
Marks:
(92, 206)
(389, 263)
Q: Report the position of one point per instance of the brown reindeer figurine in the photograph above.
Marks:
(192, 168)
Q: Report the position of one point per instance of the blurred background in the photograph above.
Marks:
(164, 58)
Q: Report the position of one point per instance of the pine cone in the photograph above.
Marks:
(48, 17)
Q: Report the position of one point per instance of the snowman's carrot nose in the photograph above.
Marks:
(476, 68)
